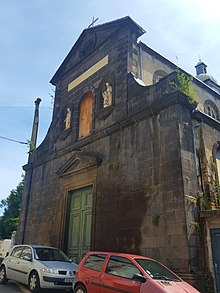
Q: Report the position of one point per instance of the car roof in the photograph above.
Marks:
(128, 255)
(35, 246)
(43, 246)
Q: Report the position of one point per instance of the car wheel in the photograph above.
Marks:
(3, 277)
(34, 282)
(80, 289)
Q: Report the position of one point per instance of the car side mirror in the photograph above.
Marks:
(26, 257)
(139, 278)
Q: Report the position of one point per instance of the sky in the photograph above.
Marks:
(36, 36)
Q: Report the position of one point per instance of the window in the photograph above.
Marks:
(211, 109)
(122, 267)
(85, 119)
(95, 262)
(17, 251)
(218, 153)
(26, 254)
(50, 254)
(211, 112)
(156, 271)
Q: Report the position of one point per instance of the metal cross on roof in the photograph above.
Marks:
(93, 21)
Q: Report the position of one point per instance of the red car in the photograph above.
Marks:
(105, 272)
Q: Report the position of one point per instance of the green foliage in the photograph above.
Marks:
(217, 194)
(183, 85)
(191, 200)
(155, 219)
(114, 166)
(205, 204)
(32, 146)
(197, 227)
(10, 217)
(203, 275)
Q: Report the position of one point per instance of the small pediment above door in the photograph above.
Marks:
(78, 163)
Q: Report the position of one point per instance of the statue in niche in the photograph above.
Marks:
(107, 95)
(67, 119)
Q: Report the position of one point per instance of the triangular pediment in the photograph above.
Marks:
(78, 163)
(90, 39)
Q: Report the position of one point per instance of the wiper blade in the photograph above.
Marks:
(175, 280)
(160, 277)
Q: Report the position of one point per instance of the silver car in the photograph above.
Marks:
(38, 267)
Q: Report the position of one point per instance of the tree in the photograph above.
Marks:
(11, 205)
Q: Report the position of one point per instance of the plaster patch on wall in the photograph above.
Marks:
(88, 73)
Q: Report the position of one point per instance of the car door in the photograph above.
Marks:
(91, 272)
(118, 276)
(13, 263)
(25, 265)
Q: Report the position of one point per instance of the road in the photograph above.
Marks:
(13, 287)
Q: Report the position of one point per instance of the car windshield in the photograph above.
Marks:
(156, 270)
(50, 254)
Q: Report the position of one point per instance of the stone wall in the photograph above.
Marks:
(139, 159)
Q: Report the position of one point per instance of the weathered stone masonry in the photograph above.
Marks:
(140, 159)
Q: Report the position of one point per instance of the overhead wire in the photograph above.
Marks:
(10, 139)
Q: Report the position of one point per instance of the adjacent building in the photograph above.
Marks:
(131, 160)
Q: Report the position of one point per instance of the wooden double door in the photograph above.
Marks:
(80, 221)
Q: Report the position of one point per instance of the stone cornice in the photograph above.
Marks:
(210, 214)
(202, 117)
(132, 118)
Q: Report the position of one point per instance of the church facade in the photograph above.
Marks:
(131, 161)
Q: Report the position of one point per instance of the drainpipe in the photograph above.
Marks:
(30, 163)
(141, 59)
(198, 165)
(194, 145)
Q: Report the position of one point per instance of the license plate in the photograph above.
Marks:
(68, 280)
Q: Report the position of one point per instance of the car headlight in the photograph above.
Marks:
(49, 271)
